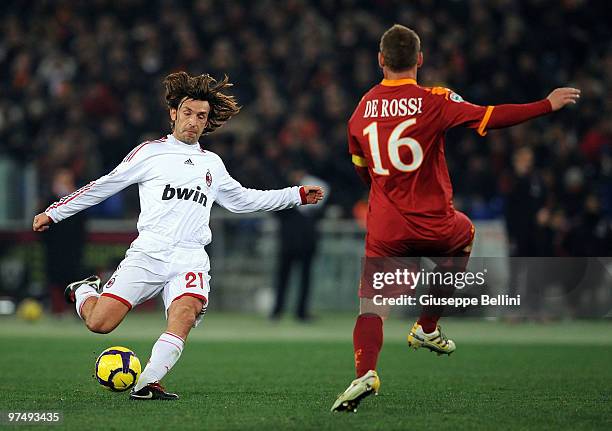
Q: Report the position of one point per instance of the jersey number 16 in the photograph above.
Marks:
(393, 146)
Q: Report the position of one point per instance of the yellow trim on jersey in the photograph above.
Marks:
(359, 161)
(485, 120)
(397, 82)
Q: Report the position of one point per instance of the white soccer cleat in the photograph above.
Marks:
(359, 389)
(69, 293)
(436, 341)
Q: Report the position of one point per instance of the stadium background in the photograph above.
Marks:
(81, 86)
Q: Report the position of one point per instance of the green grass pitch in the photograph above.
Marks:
(242, 372)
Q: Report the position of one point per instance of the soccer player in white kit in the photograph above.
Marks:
(178, 181)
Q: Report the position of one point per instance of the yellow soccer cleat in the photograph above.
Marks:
(436, 341)
(359, 389)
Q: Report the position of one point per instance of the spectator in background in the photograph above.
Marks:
(524, 199)
(592, 233)
(299, 65)
(523, 210)
(589, 235)
(63, 245)
(596, 140)
(298, 239)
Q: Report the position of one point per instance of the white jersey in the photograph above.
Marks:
(177, 184)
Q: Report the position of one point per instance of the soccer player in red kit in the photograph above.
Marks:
(396, 139)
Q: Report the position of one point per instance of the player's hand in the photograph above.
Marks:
(314, 194)
(41, 222)
(563, 96)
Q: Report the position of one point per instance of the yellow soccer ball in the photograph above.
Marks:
(30, 310)
(117, 369)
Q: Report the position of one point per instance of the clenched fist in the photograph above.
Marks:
(314, 194)
(563, 96)
(41, 222)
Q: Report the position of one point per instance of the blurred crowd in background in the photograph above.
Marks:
(81, 86)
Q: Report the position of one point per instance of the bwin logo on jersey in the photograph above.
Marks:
(184, 194)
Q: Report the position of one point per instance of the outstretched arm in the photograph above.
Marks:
(509, 115)
(79, 200)
(238, 199)
(130, 171)
(457, 112)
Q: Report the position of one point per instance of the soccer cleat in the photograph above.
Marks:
(436, 341)
(153, 391)
(93, 281)
(359, 389)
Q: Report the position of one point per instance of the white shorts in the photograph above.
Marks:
(151, 267)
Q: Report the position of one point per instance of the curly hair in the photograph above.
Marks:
(223, 106)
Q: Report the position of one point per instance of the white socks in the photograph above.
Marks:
(166, 351)
(83, 293)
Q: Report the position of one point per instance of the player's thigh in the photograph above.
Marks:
(133, 285)
(463, 235)
(376, 248)
(455, 254)
(379, 281)
(186, 294)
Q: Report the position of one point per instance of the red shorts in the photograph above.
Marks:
(388, 256)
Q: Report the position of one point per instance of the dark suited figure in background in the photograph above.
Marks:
(63, 244)
(525, 198)
(525, 203)
(298, 240)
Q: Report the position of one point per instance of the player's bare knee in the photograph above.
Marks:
(185, 308)
(367, 306)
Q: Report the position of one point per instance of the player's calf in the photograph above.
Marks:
(100, 326)
(105, 315)
(183, 314)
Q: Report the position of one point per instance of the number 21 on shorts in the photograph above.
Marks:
(190, 279)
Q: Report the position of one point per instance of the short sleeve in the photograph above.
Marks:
(457, 112)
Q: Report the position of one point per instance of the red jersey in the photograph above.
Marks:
(398, 131)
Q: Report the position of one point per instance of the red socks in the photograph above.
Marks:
(430, 314)
(428, 322)
(367, 342)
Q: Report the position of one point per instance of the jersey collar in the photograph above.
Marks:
(397, 82)
(178, 141)
(197, 147)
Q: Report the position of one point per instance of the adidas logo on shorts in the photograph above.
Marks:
(188, 162)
